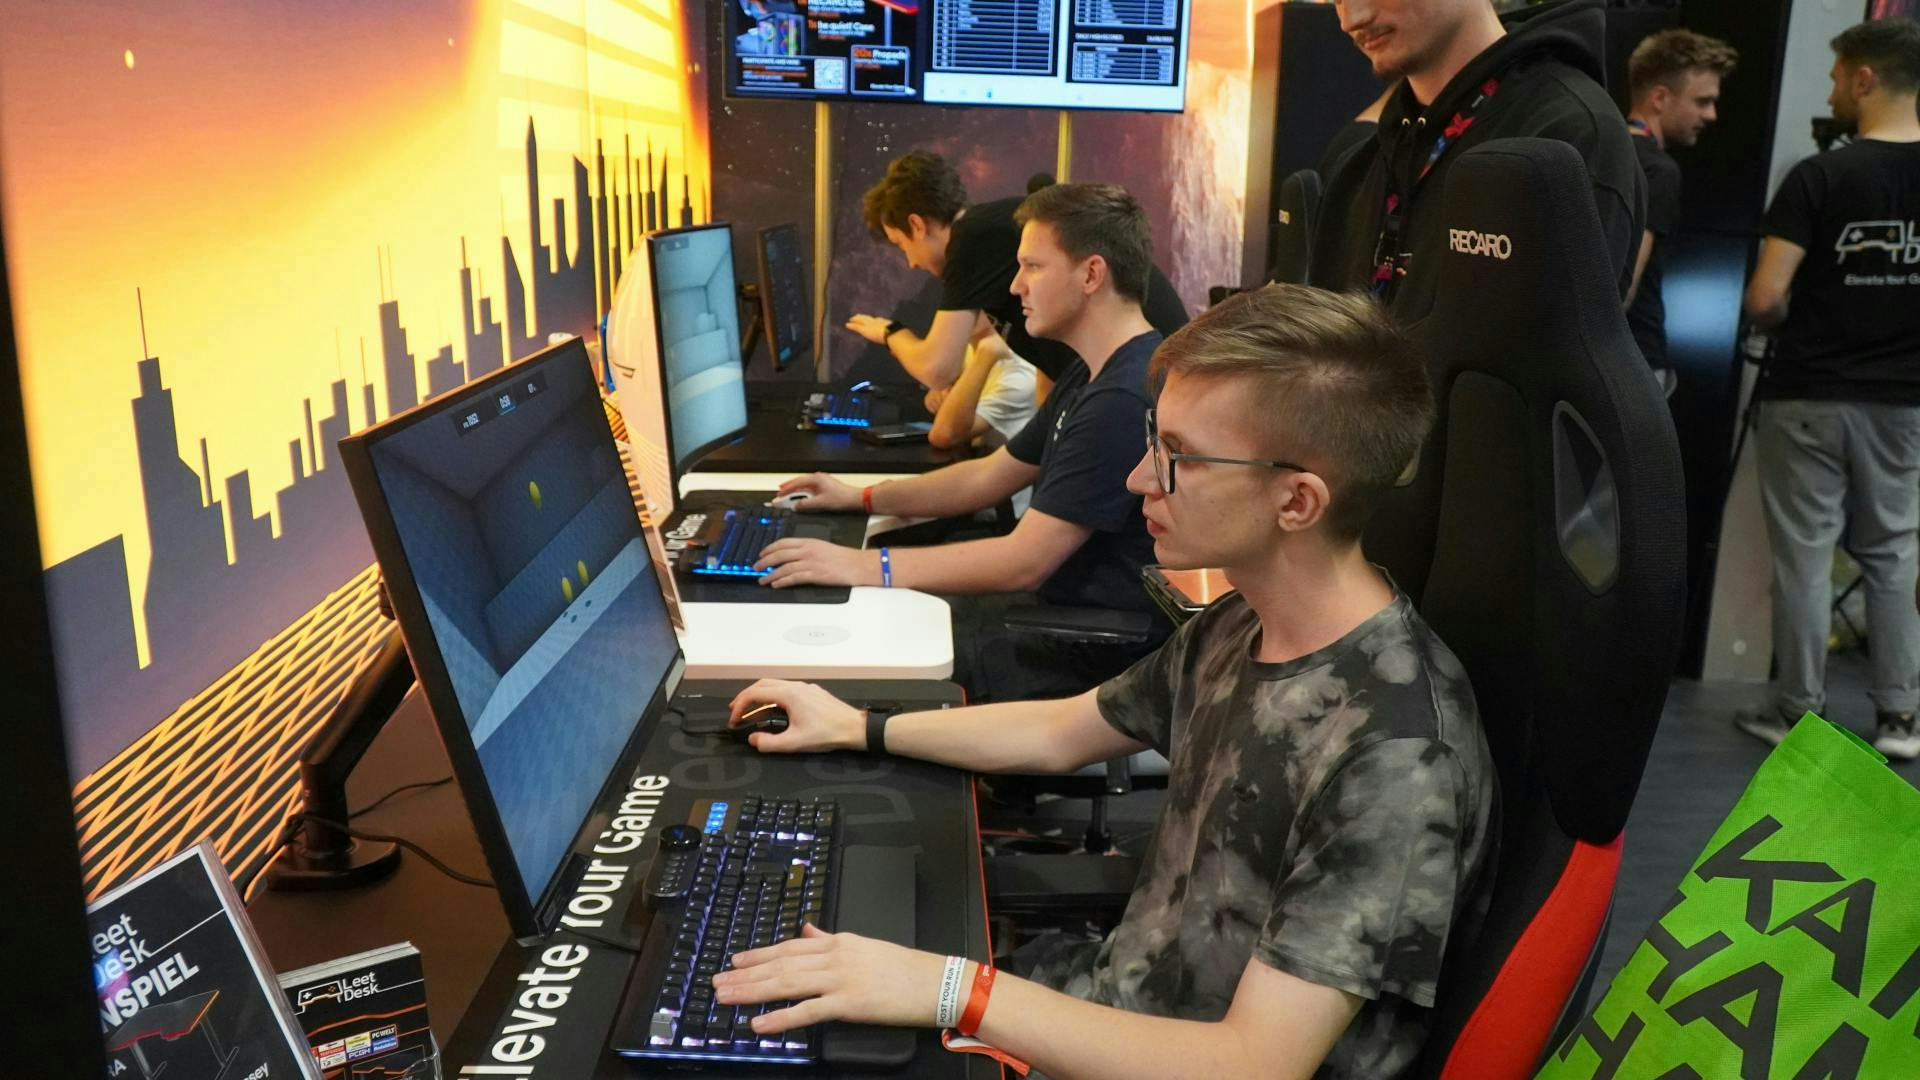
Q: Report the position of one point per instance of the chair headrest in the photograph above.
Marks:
(1296, 213)
(1519, 221)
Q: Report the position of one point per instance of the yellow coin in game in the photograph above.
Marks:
(533, 492)
(581, 566)
(566, 589)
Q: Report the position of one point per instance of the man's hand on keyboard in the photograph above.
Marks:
(794, 561)
(834, 977)
(816, 720)
(822, 492)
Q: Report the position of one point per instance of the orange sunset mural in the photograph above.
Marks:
(238, 231)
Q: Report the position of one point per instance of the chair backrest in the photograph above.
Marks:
(1296, 212)
(1542, 537)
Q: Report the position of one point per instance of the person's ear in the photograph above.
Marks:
(1304, 499)
(1864, 80)
(1658, 97)
(916, 227)
(1093, 274)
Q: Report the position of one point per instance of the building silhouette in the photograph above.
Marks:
(220, 581)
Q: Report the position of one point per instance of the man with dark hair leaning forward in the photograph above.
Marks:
(1326, 823)
(1086, 258)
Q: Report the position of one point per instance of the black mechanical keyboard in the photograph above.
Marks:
(730, 542)
(748, 876)
(851, 409)
(847, 410)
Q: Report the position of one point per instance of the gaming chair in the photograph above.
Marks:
(1542, 537)
(1296, 210)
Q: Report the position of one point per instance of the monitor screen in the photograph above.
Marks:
(509, 542)
(1058, 54)
(697, 316)
(786, 309)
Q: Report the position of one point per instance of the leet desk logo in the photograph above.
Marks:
(1899, 239)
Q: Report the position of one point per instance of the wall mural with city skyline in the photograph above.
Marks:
(236, 233)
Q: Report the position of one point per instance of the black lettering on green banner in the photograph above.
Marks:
(1760, 874)
(1679, 1072)
(1838, 1058)
(1847, 944)
(1612, 1049)
(1679, 958)
(1753, 1038)
(1899, 990)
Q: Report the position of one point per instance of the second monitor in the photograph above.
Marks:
(786, 311)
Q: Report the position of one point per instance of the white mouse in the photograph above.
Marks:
(787, 502)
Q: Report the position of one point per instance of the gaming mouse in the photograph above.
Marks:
(787, 502)
(771, 719)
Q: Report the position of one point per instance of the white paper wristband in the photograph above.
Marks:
(947, 1013)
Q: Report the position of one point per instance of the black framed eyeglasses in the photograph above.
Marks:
(1165, 461)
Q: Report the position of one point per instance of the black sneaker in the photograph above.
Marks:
(1895, 735)
(1767, 725)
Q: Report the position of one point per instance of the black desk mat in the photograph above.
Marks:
(883, 800)
(696, 589)
(774, 442)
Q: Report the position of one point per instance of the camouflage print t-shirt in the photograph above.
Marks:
(1328, 816)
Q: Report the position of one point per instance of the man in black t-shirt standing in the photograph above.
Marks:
(1085, 252)
(1838, 434)
(1674, 77)
(921, 207)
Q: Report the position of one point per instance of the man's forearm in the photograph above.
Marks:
(996, 564)
(922, 361)
(1766, 313)
(1070, 1039)
(954, 424)
(1012, 737)
(960, 488)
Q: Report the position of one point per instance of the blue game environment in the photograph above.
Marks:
(699, 326)
(522, 537)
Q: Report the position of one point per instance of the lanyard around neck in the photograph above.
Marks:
(1389, 262)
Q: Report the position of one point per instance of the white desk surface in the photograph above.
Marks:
(876, 634)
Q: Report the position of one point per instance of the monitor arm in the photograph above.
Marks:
(321, 856)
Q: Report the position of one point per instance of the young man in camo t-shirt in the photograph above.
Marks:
(1326, 823)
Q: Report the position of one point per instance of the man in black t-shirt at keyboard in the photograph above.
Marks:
(1085, 251)
(1838, 434)
(921, 208)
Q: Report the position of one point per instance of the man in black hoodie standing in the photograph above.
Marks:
(1467, 78)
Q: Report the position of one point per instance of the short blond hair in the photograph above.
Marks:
(1338, 386)
(1666, 58)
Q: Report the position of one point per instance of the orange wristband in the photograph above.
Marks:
(977, 1000)
(866, 498)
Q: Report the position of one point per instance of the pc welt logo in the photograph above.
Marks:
(1471, 242)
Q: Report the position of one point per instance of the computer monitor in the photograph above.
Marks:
(786, 311)
(512, 552)
(1056, 54)
(673, 342)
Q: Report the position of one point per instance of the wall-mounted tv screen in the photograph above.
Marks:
(1055, 54)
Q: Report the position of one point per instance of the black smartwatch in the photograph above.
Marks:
(894, 326)
(877, 729)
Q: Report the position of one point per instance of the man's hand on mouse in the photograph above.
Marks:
(816, 720)
(822, 492)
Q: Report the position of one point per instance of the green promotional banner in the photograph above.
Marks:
(1791, 951)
